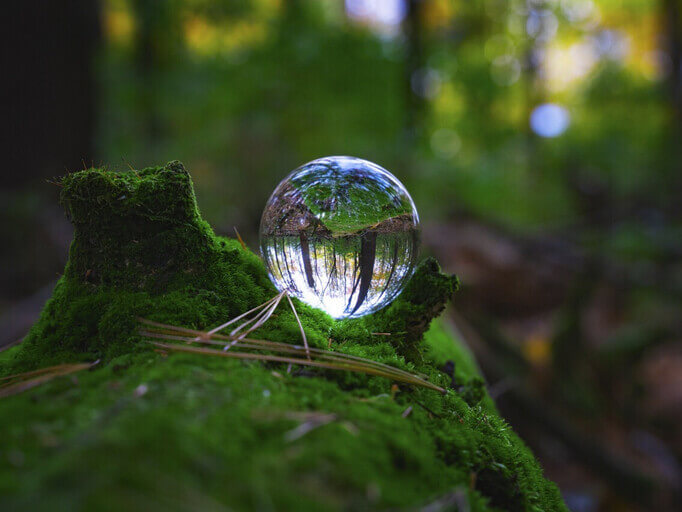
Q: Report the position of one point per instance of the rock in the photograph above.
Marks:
(211, 433)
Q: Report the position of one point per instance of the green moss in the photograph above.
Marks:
(143, 430)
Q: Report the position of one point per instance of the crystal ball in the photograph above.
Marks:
(341, 234)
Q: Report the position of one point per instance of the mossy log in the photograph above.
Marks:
(147, 430)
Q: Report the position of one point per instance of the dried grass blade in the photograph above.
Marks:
(230, 322)
(351, 367)
(24, 381)
(249, 344)
(259, 319)
(262, 318)
(211, 340)
(300, 326)
(239, 237)
(40, 371)
(252, 344)
(264, 311)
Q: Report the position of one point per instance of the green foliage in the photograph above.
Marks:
(315, 83)
(145, 430)
(358, 201)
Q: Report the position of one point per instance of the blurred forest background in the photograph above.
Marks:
(540, 139)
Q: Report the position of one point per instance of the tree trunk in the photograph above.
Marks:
(414, 103)
(49, 87)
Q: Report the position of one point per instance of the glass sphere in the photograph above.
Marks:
(341, 234)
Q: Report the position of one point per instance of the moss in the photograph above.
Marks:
(408, 318)
(145, 430)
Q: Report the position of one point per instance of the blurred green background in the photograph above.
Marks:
(540, 139)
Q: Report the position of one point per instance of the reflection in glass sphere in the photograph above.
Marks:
(341, 234)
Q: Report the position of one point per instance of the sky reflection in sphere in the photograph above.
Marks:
(341, 234)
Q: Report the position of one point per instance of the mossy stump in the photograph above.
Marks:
(147, 430)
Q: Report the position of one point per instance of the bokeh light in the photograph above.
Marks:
(549, 120)
(378, 12)
(445, 143)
